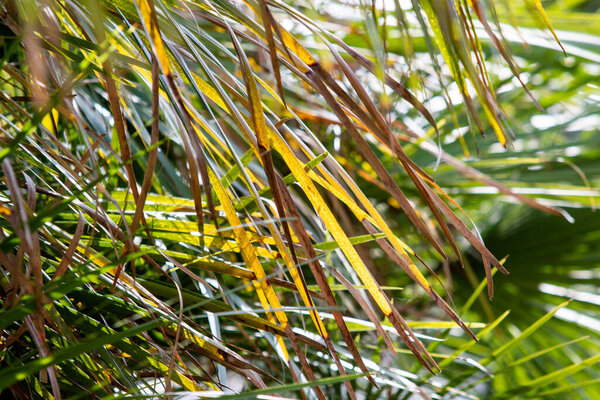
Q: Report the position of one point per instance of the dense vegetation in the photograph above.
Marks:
(305, 199)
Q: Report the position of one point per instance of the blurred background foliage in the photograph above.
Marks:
(195, 202)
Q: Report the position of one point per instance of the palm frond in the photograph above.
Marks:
(180, 217)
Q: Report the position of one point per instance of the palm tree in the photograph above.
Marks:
(262, 198)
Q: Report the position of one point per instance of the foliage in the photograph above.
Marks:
(205, 198)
